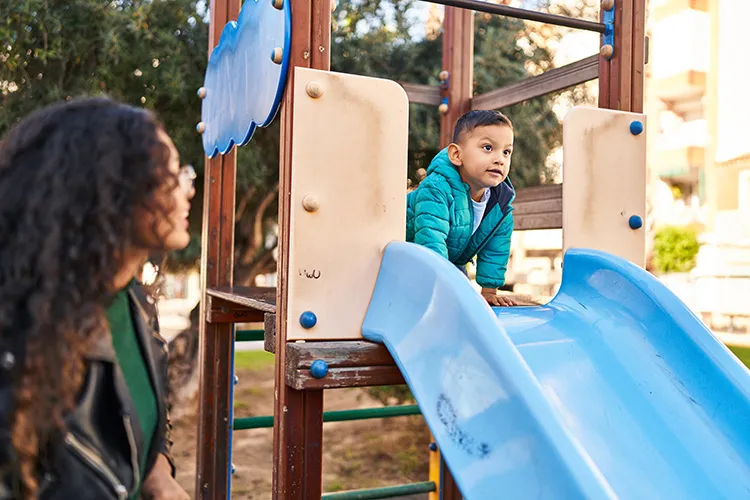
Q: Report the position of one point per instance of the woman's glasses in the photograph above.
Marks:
(187, 179)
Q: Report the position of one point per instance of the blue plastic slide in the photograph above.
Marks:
(612, 390)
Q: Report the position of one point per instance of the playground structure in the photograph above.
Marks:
(330, 294)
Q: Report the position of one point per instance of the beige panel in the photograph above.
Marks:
(604, 182)
(349, 160)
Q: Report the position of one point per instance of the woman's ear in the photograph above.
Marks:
(454, 154)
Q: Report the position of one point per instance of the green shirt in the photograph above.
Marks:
(131, 359)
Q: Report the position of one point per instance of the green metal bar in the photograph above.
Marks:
(253, 422)
(334, 416)
(249, 335)
(365, 413)
(385, 492)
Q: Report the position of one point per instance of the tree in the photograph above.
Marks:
(150, 53)
(153, 53)
(144, 53)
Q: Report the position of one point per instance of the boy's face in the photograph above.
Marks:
(483, 155)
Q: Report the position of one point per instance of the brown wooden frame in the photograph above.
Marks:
(298, 405)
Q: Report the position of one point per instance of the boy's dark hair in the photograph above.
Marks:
(479, 118)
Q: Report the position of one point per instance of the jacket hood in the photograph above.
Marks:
(502, 194)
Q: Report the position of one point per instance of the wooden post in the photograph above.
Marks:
(621, 79)
(448, 487)
(217, 340)
(458, 60)
(298, 415)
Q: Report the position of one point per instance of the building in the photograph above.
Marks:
(697, 106)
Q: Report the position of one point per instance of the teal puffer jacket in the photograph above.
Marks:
(439, 216)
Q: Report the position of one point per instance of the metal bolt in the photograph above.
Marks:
(277, 55)
(608, 4)
(607, 51)
(314, 89)
(310, 203)
(319, 369)
(277, 4)
(308, 319)
(200, 128)
(636, 127)
(202, 92)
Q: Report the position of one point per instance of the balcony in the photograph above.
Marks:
(682, 92)
(683, 164)
(680, 61)
(679, 152)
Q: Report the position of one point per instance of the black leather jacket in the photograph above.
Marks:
(98, 457)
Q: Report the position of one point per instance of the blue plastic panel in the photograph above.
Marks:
(243, 85)
(614, 389)
(608, 37)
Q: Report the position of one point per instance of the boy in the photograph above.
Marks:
(463, 207)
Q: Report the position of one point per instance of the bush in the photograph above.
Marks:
(675, 249)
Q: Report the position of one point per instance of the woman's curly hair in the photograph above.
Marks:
(73, 178)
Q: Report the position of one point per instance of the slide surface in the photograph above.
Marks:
(612, 390)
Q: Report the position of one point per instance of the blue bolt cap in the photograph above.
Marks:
(433, 446)
(635, 222)
(636, 127)
(319, 368)
(308, 319)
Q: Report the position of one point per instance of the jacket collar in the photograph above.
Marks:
(103, 349)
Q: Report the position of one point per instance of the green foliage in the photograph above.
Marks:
(144, 53)
(675, 249)
(152, 53)
(504, 49)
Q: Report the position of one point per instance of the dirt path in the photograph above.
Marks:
(359, 454)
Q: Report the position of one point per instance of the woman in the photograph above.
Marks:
(88, 189)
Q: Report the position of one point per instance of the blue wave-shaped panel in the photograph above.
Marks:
(243, 85)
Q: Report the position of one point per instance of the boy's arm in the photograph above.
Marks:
(431, 219)
(492, 260)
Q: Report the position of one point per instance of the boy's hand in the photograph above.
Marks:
(493, 299)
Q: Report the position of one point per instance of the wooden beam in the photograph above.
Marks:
(269, 333)
(298, 424)
(350, 364)
(222, 311)
(539, 193)
(217, 340)
(341, 378)
(258, 298)
(422, 94)
(536, 86)
(338, 354)
(448, 486)
(538, 208)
